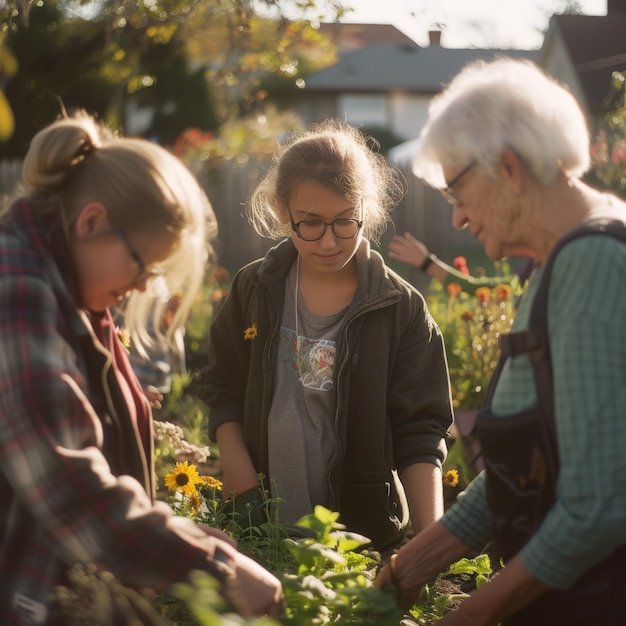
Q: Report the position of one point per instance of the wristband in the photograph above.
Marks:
(221, 556)
(428, 261)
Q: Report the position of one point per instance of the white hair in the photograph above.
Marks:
(506, 103)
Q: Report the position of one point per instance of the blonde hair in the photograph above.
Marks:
(506, 103)
(76, 160)
(337, 156)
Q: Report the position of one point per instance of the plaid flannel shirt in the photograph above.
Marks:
(75, 479)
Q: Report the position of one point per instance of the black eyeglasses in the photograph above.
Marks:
(312, 230)
(144, 273)
(448, 193)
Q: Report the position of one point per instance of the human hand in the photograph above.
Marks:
(388, 577)
(261, 590)
(407, 249)
(247, 509)
(426, 555)
(215, 532)
(155, 397)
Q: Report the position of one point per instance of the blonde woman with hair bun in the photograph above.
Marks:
(97, 221)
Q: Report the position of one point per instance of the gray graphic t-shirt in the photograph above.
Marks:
(302, 441)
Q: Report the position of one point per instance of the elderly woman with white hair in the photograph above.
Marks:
(507, 146)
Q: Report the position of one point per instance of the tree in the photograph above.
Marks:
(608, 153)
(59, 66)
(195, 63)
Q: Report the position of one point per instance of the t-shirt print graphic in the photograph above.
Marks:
(314, 359)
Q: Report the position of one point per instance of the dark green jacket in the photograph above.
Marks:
(391, 395)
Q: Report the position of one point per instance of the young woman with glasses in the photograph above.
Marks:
(327, 374)
(97, 219)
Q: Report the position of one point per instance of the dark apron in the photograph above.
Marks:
(521, 464)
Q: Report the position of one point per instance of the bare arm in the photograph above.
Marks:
(407, 249)
(239, 474)
(424, 490)
(429, 553)
(432, 551)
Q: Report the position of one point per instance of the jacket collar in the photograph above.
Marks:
(375, 283)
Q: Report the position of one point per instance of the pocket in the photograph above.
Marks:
(522, 467)
(374, 505)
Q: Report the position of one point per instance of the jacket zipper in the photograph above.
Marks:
(338, 411)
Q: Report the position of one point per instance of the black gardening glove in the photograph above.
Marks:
(248, 509)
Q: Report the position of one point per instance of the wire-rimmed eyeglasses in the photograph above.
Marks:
(143, 272)
(312, 230)
(448, 191)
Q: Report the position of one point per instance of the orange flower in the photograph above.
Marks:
(483, 294)
(466, 316)
(218, 294)
(454, 289)
(219, 275)
(503, 292)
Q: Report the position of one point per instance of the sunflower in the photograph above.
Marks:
(195, 502)
(184, 478)
(451, 478)
(209, 481)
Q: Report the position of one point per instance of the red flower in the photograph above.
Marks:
(461, 264)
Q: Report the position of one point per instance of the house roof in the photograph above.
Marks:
(597, 47)
(407, 67)
(350, 36)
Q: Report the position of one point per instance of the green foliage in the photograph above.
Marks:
(608, 153)
(60, 65)
(327, 579)
(327, 572)
(180, 97)
(186, 64)
(471, 324)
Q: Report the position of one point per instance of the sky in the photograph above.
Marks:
(469, 23)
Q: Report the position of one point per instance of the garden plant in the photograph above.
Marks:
(326, 571)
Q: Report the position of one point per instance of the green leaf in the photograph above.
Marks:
(347, 541)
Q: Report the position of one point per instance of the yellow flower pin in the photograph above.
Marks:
(250, 332)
